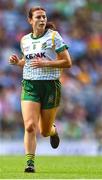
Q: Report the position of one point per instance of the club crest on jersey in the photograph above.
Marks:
(35, 55)
(44, 45)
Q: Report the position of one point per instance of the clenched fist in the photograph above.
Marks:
(14, 59)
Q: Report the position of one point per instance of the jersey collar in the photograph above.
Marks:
(38, 36)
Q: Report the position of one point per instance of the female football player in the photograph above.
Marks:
(44, 56)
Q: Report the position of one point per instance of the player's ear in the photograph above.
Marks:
(29, 20)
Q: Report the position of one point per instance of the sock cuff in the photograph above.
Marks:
(30, 157)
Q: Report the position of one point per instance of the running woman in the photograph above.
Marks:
(44, 56)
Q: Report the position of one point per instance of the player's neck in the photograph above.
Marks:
(38, 33)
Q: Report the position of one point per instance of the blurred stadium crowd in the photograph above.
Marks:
(80, 24)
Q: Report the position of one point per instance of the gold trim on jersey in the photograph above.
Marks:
(53, 38)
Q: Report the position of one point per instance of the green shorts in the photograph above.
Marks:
(46, 92)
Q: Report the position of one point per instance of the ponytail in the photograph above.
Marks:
(50, 25)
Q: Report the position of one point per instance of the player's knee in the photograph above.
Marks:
(30, 127)
(44, 133)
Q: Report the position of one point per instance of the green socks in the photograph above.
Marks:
(30, 159)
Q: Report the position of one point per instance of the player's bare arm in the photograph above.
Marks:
(63, 60)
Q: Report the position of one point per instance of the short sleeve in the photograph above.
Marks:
(21, 47)
(59, 43)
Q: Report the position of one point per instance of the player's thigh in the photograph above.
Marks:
(30, 111)
(47, 118)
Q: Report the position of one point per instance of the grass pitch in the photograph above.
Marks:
(52, 167)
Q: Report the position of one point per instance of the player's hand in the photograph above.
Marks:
(39, 63)
(14, 59)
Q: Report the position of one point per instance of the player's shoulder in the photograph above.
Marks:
(26, 37)
(51, 31)
(54, 33)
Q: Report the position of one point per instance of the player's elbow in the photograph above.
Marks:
(68, 63)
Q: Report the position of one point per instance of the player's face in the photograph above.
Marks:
(39, 19)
